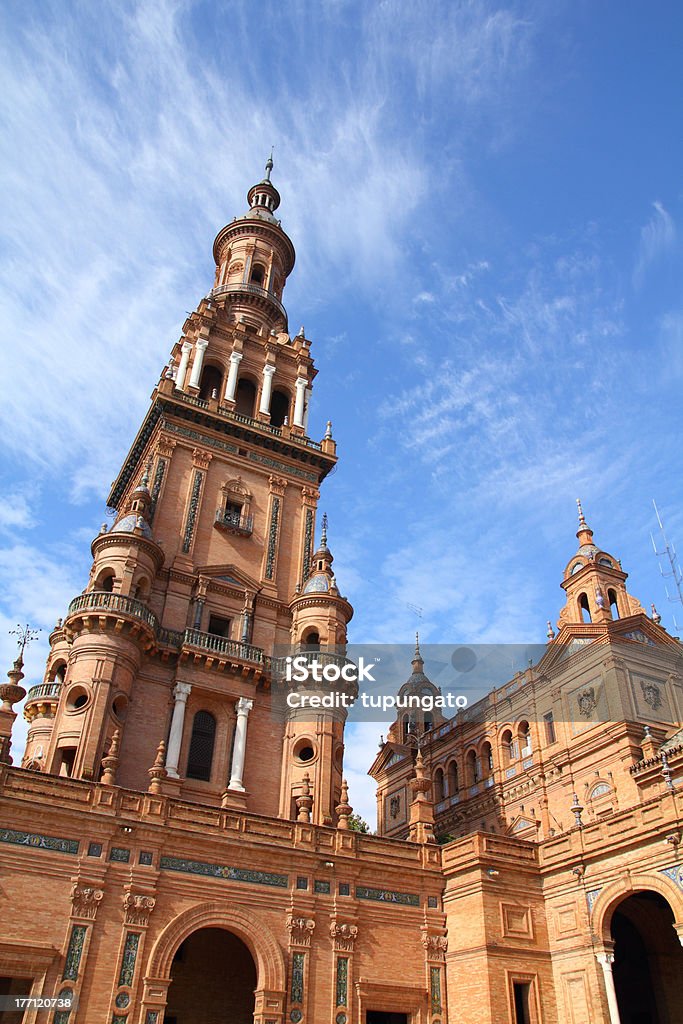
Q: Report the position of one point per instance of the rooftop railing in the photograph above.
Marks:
(104, 600)
(43, 690)
(250, 289)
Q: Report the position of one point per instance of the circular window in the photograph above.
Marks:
(304, 751)
(77, 699)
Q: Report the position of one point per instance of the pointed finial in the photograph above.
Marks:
(550, 632)
(417, 645)
(344, 808)
(656, 617)
(582, 518)
(302, 333)
(328, 431)
(146, 475)
(269, 164)
(323, 537)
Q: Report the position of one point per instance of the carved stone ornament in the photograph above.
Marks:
(435, 946)
(86, 900)
(651, 695)
(587, 702)
(344, 935)
(300, 930)
(137, 908)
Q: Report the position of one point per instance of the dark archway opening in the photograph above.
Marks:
(648, 960)
(245, 398)
(383, 1017)
(211, 383)
(279, 408)
(213, 978)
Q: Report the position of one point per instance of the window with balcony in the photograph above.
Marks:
(219, 626)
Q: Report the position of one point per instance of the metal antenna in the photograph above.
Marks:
(674, 571)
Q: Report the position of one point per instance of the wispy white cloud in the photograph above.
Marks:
(656, 237)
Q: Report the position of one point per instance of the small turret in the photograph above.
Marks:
(595, 583)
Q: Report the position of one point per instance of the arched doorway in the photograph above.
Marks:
(648, 960)
(213, 978)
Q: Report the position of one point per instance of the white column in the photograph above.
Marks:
(231, 384)
(243, 707)
(181, 692)
(300, 385)
(200, 349)
(184, 360)
(266, 387)
(606, 960)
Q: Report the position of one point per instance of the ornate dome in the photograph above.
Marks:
(129, 523)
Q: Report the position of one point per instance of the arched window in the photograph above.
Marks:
(279, 408)
(507, 747)
(60, 673)
(311, 640)
(201, 746)
(584, 608)
(429, 722)
(486, 759)
(142, 589)
(613, 606)
(524, 734)
(438, 786)
(245, 397)
(106, 582)
(211, 381)
(258, 274)
(452, 778)
(472, 762)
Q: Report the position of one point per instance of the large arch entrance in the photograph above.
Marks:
(648, 960)
(213, 978)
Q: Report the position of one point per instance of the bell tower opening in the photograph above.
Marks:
(245, 398)
(213, 977)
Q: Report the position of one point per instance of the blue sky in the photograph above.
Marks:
(486, 203)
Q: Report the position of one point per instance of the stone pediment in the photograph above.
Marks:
(230, 575)
(389, 755)
(524, 827)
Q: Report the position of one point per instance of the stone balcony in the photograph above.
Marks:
(42, 700)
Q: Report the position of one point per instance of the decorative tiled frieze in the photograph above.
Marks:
(272, 537)
(298, 961)
(591, 897)
(156, 486)
(85, 900)
(192, 510)
(38, 841)
(282, 467)
(300, 930)
(62, 1015)
(119, 855)
(322, 886)
(194, 435)
(308, 544)
(74, 952)
(137, 907)
(405, 899)
(198, 867)
(435, 988)
(130, 952)
(675, 874)
(342, 984)
(118, 1018)
(343, 935)
(152, 1017)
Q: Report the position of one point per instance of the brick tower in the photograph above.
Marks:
(209, 564)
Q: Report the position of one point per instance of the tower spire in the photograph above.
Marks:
(584, 533)
(269, 165)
